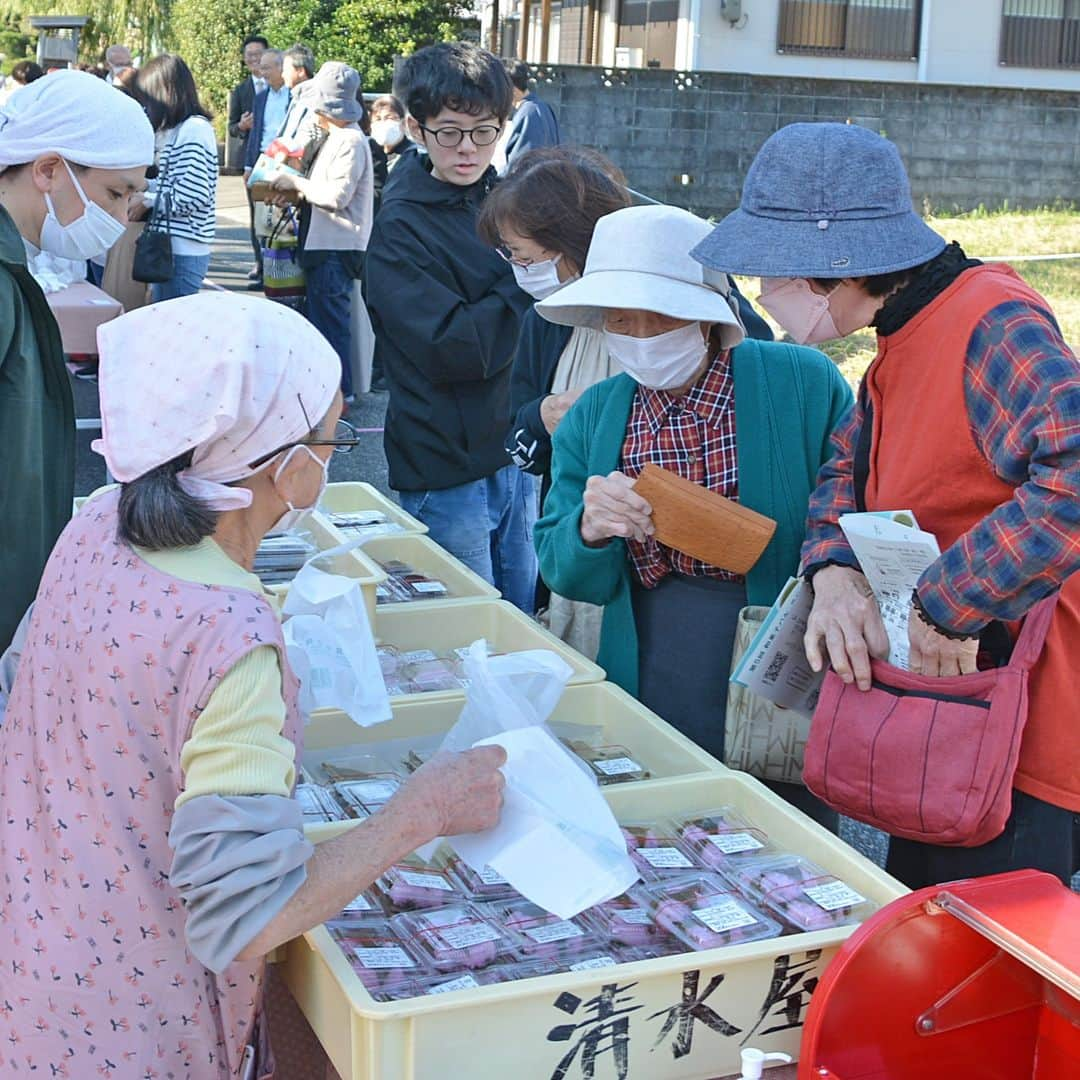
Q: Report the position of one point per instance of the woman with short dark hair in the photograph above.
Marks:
(187, 164)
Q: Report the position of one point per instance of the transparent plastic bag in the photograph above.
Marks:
(331, 646)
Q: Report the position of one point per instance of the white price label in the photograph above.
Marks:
(490, 876)
(556, 931)
(429, 587)
(635, 916)
(664, 858)
(370, 791)
(619, 766)
(384, 956)
(425, 881)
(417, 656)
(466, 936)
(733, 843)
(724, 916)
(834, 895)
(462, 982)
(593, 962)
(361, 903)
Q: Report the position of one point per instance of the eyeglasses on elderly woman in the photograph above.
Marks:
(345, 438)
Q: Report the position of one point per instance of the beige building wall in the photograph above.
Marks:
(962, 39)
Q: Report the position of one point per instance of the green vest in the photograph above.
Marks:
(788, 400)
(37, 429)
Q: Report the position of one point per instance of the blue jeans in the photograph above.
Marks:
(488, 525)
(328, 306)
(187, 279)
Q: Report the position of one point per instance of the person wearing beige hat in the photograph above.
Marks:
(336, 208)
(748, 419)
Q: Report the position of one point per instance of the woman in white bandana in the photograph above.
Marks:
(72, 153)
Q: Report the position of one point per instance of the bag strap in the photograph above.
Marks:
(1032, 636)
(860, 465)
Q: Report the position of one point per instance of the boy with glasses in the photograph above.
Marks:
(446, 310)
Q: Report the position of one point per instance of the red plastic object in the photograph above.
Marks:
(973, 980)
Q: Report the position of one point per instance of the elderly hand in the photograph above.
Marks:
(457, 793)
(935, 654)
(612, 508)
(845, 616)
(246, 122)
(554, 407)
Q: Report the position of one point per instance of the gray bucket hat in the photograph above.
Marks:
(334, 92)
(822, 201)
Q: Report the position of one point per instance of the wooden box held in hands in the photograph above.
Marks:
(702, 524)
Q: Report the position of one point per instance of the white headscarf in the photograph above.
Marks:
(78, 116)
(231, 377)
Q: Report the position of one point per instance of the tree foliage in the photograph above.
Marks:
(143, 25)
(367, 34)
(208, 37)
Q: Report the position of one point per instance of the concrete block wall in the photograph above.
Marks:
(688, 137)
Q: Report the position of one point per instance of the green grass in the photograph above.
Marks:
(1035, 232)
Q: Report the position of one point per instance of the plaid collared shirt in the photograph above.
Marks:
(1022, 390)
(694, 436)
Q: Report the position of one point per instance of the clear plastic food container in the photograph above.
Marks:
(705, 912)
(541, 935)
(407, 887)
(455, 938)
(723, 838)
(800, 893)
(657, 851)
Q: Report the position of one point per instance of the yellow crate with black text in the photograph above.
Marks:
(421, 651)
(618, 737)
(353, 497)
(437, 578)
(683, 1016)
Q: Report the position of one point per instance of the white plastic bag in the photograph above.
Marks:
(557, 841)
(330, 644)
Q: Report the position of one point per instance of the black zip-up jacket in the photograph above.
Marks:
(446, 312)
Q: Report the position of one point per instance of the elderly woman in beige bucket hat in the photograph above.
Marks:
(750, 420)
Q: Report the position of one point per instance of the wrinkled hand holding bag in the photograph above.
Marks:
(702, 524)
(928, 759)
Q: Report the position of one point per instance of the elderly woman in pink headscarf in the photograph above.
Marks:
(151, 849)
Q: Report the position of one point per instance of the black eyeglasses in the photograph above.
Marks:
(484, 135)
(345, 438)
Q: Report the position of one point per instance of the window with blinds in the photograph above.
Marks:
(1040, 33)
(877, 29)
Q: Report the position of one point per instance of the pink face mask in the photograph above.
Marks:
(798, 309)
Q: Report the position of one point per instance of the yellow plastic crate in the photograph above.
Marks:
(351, 496)
(353, 564)
(624, 722)
(680, 1017)
(444, 628)
(424, 555)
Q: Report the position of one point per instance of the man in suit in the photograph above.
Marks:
(241, 119)
(534, 122)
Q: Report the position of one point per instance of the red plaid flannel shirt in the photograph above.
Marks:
(694, 436)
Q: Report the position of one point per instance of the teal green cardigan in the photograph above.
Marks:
(788, 400)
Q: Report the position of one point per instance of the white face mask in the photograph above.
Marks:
(87, 236)
(293, 516)
(539, 279)
(387, 132)
(664, 362)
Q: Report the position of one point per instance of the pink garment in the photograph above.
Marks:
(120, 660)
(231, 377)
